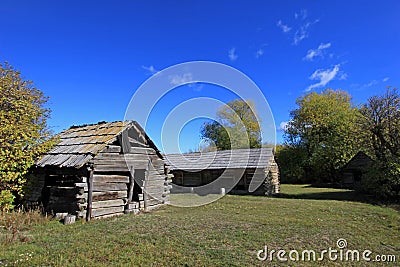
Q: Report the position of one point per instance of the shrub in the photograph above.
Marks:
(383, 181)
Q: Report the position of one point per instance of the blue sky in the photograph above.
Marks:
(89, 57)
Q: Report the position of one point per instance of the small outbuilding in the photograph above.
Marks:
(353, 171)
(241, 167)
(100, 170)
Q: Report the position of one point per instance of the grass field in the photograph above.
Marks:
(228, 232)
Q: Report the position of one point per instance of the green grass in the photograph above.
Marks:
(228, 232)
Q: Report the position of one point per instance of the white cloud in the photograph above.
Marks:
(259, 52)
(232, 55)
(283, 125)
(302, 33)
(324, 46)
(301, 15)
(371, 83)
(150, 69)
(285, 28)
(323, 77)
(318, 52)
(181, 79)
(342, 75)
(385, 79)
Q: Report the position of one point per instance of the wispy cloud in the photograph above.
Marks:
(302, 14)
(342, 75)
(186, 79)
(285, 28)
(323, 77)
(385, 79)
(367, 85)
(303, 32)
(181, 79)
(150, 69)
(318, 52)
(371, 83)
(232, 54)
(302, 26)
(259, 53)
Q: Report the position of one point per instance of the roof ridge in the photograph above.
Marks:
(98, 123)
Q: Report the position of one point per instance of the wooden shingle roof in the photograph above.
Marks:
(231, 159)
(79, 144)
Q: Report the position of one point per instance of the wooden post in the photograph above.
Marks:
(131, 184)
(90, 194)
(146, 177)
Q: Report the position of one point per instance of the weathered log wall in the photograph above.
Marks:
(121, 178)
(267, 177)
(124, 183)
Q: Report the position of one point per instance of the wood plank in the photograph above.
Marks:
(101, 187)
(124, 141)
(98, 178)
(112, 149)
(146, 177)
(109, 216)
(131, 185)
(81, 185)
(110, 168)
(152, 202)
(90, 195)
(107, 211)
(108, 203)
(106, 195)
(121, 168)
(143, 150)
(111, 161)
(136, 143)
(114, 156)
(144, 153)
(155, 183)
(157, 178)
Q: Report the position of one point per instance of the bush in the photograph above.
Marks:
(291, 161)
(23, 132)
(382, 180)
(6, 200)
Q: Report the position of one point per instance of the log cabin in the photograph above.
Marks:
(354, 170)
(100, 170)
(192, 171)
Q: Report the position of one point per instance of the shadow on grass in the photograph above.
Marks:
(328, 194)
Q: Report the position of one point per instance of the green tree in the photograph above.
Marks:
(238, 126)
(324, 127)
(380, 131)
(290, 160)
(380, 124)
(23, 132)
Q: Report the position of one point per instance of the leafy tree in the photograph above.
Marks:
(23, 132)
(380, 125)
(237, 126)
(216, 135)
(324, 128)
(290, 160)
